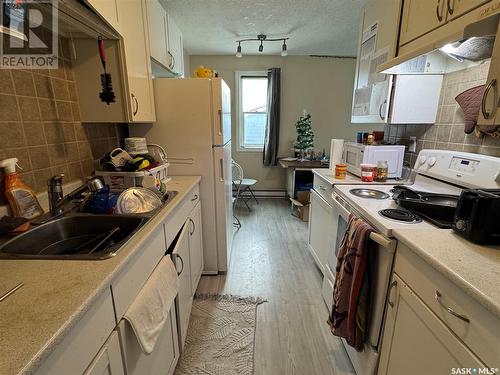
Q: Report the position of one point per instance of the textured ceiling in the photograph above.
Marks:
(315, 27)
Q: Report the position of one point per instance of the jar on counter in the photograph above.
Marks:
(382, 171)
(340, 171)
(370, 139)
(368, 172)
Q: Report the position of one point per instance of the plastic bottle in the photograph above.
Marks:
(21, 198)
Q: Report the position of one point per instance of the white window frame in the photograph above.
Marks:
(239, 110)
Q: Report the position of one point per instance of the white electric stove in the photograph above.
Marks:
(439, 172)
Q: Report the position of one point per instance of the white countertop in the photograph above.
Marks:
(329, 177)
(57, 293)
(475, 269)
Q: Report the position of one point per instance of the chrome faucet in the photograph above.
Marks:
(57, 200)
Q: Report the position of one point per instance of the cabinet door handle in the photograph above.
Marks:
(171, 65)
(182, 264)
(451, 6)
(393, 284)
(486, 114)
(321, 187)
(194, 226)
(382, 117)
(437, 296)
(136, 102)
(195, 197)
(438, 14)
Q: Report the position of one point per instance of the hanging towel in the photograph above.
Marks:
(351, 292)
(149, 311)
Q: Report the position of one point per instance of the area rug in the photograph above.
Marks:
(221, 336)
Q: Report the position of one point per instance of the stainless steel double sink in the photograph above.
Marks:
(76, 236)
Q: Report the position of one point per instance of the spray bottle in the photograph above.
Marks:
(21, 198)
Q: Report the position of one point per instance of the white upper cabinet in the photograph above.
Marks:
(133, 27)
(157, 26)
(489, 111)
(107, 9)
(423, 16)
(175, 47)
(377, 44)
(165, 41)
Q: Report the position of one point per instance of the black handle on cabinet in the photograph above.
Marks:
(393, 284)
(194, 226)
(451, 6)
(195, 197)
(438, 14)
(182, 264)
(136, 104)
(486, 114)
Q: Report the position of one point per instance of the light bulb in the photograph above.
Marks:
(238, 52)
(261, 47)
(284, 51)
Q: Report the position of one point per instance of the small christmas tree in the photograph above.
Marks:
(305, 134)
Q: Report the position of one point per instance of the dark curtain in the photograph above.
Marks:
(271, 142)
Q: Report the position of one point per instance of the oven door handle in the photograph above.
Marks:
(344, 212)
(389, 245)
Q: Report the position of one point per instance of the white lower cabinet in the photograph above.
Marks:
(109, 359)
(416, 341)
(321, 239)
(182, 261)
(164, 357)
(195, 246)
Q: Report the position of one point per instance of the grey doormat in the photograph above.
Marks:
(221, 336)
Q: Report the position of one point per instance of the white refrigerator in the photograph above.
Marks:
(193, 124)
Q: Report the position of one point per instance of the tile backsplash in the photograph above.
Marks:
(448, 131)
(40, 125)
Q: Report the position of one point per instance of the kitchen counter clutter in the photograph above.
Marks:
(329, 177)
(473, 268)
(57, 294)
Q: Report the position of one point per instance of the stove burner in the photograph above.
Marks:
(369, 193)
(400, 215)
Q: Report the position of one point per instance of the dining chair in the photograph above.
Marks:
(242, 184)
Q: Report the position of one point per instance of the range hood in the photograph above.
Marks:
(75, 20)
(455, 49)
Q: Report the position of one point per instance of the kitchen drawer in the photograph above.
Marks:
(131, 279)
(482, 331)
(77, 350)
(180, 214)
(323, 188)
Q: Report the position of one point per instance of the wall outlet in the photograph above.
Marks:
(412, 147)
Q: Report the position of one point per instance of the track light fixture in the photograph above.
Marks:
(262, 38)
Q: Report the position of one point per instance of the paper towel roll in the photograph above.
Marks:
(336, 149)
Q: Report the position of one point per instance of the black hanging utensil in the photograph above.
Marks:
(107, 95)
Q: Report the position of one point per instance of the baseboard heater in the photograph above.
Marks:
(263, 193)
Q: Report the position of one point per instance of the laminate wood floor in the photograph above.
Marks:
(270, 260)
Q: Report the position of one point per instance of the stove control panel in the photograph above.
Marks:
(460, 168)
(464, 165)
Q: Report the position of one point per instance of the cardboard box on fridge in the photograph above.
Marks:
(300, 206)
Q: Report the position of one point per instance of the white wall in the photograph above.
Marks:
(323, 86)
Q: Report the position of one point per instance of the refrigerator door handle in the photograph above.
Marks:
(221, 122)
(221, 162)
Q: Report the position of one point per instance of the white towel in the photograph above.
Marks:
(149, 312)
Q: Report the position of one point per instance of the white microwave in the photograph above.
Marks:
(356, 154)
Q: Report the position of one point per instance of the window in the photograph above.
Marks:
(252, 110)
